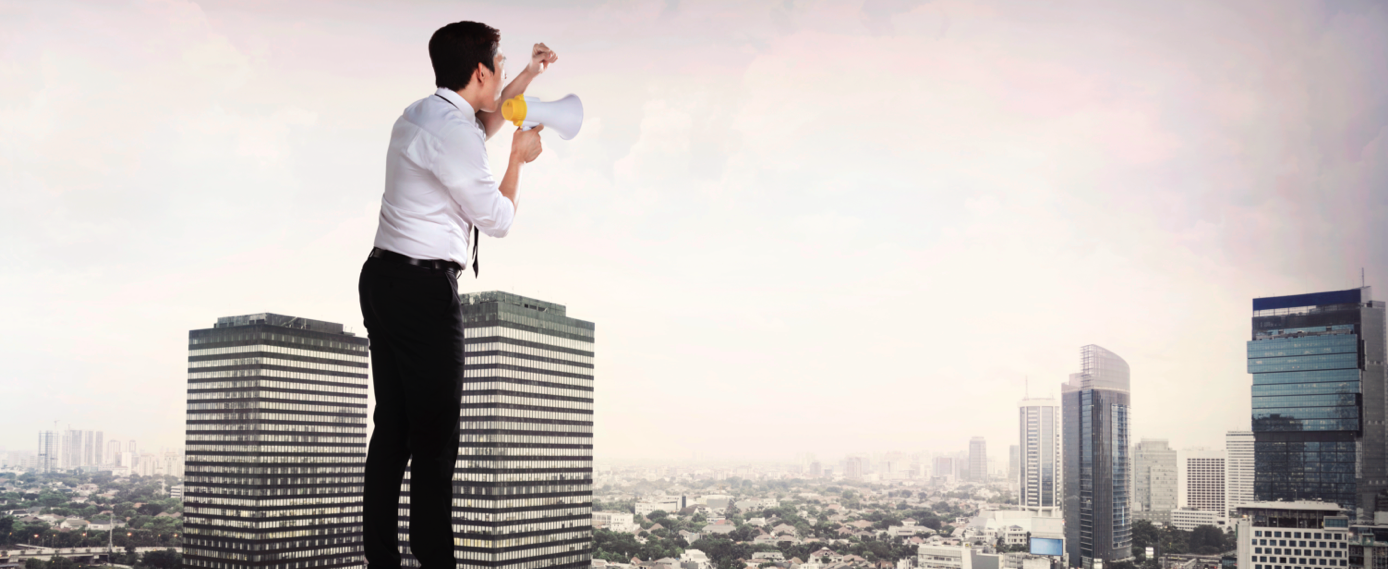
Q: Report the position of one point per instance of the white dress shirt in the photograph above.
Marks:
(438, 184)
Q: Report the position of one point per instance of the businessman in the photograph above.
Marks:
(439, 193)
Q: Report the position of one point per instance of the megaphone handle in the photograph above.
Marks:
(527, 127)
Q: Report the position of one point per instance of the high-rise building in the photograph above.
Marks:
(1154, 480)
(944, 468)
(853, 468)
(1098, 523)
(1014, 464)
(71, 452)
(1238, 470)
(523, 487)
(276, 445)
(131, 448)
(978, 459)
(1040, 476)
(1204, 472)
(98, 449)
(79, 449)
(112, 455)
(1318, 399)
(48, 451)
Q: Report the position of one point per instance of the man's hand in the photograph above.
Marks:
(525, 144)
(540, 58)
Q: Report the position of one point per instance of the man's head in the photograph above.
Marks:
(467, 58)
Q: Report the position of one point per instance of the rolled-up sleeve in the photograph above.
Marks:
(460, 163)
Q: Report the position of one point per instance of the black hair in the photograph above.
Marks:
(456, 49)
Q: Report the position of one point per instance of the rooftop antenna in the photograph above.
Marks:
(1027, 387)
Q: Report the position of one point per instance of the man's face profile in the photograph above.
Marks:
(492, 80)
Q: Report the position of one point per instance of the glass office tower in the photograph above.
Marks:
(276, 444)
(1318, 399)
(1039, 464)
(1098, 523)
(523, 485)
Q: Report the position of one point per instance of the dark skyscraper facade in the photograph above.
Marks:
(1098, 523)
(276, 444)
(1318, 399)
(523, 486)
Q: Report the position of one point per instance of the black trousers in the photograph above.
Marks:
(415, 325)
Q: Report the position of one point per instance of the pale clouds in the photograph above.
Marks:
(799, 226)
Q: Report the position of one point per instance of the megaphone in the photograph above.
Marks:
(564, 116)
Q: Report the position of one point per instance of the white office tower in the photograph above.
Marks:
(112, 456)
(1040, 465)
(1204, 471)
(1238, 470)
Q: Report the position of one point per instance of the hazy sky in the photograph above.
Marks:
(800, 226)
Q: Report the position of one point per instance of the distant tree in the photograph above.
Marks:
(35, 564)
(1206, 540)
(163, 559)
(1144, 535)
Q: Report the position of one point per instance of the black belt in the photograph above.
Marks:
(454, 269)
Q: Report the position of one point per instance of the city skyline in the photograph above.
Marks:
(1037, 187)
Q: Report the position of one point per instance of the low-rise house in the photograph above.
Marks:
(719, 528)
(695, 559)
(824, 555)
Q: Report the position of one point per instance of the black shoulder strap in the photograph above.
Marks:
(475, 234)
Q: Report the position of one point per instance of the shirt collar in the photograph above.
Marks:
(456, 99)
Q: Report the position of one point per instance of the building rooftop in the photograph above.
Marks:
(279, 320)
(510, 298)
(1351, 296)
(1305, 505)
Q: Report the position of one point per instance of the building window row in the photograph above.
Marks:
(269, 349)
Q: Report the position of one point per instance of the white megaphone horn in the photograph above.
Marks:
(564, 116)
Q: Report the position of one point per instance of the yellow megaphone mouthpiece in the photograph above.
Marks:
(513, 109)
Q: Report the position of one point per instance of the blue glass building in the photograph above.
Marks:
(1098, 520)
(1318, 399)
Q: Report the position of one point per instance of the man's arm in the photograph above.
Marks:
(525, 146)
(540, 58)
(491, 122)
